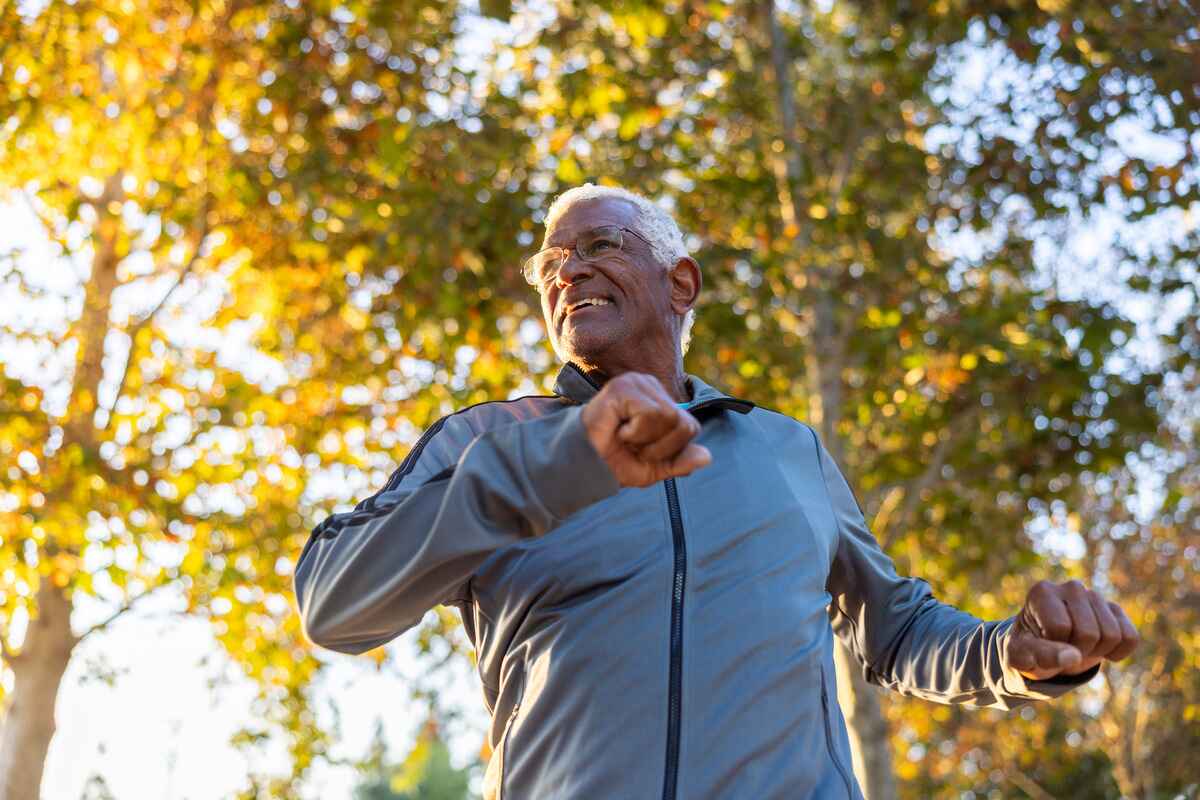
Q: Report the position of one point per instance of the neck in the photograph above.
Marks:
(672, 378)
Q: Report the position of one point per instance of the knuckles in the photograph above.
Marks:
(1058, 630)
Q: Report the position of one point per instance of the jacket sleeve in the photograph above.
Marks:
(370, 574)
(903, 637)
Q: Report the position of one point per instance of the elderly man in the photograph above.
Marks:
(652, 571)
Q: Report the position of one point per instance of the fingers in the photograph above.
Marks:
(680, 429)
(648, 411)
(650, 424)
(624, 412)
(1039, 657)
(656, 429)
(1069, 615)
(693, 457)
(1047, 612)
(1110, 629)
(1085, 629)
(1129, 635)
(635, 425)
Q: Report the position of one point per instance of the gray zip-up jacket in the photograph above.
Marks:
(671, 641)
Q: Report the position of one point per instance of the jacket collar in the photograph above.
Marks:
(574, 385)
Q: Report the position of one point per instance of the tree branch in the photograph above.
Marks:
(788, 162)
(148, 317)
(1027, 784)
(851, 141)
(125, 606)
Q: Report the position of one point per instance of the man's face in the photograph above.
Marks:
(638, 314)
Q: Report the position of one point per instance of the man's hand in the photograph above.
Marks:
(1066, 629)
(640, 433)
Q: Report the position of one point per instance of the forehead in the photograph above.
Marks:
(584, 214)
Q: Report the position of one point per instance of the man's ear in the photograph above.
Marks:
(686, 283)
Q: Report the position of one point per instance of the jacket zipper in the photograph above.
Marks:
(829, 736)
(679, 582)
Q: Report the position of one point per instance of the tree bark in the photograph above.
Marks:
(37, 674)
(869, 745)
(39, 666)
(824, 363)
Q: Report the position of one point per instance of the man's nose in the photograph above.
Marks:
(574, 269)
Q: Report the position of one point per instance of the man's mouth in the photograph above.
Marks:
(589, 302)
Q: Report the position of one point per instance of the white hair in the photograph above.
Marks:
(654, 223)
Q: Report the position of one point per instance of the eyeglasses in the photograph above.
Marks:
(542, 267)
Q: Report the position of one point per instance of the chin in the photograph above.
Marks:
(584, 347)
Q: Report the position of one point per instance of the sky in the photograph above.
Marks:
(160, 732)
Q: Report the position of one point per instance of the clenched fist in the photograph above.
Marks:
(1066, 629)
(640, 433)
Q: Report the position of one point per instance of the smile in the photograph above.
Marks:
(591, 301)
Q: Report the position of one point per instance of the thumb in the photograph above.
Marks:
(693, 457)
(1039, 657)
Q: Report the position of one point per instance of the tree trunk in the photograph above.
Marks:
(37, 672)
(867, 727)
(39, 666)
(824, 362)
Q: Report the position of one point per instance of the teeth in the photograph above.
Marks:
(592, 301)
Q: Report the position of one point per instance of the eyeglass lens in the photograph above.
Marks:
(589, 246)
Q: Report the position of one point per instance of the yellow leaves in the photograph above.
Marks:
(62, 569)
(1052, 6)
(131, 72)
(750, 369)
(642, 24)
(946, 374)
(193, 562)
(409, 776)
(1015, 334)
(378, 655)
(603, 95)
(969, 361)
(630, 125)
(30, 401)
(878, 318)
(907, 769)
(569, 171)
(356, 257)
(633, 122)
(559, 139)
(993, 355)
(818, 211)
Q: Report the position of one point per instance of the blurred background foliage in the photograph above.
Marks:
(958, 237)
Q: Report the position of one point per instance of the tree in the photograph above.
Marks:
(214, 185)
(357, 186)
(142, 457)
(956, 388)
(425, 773)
